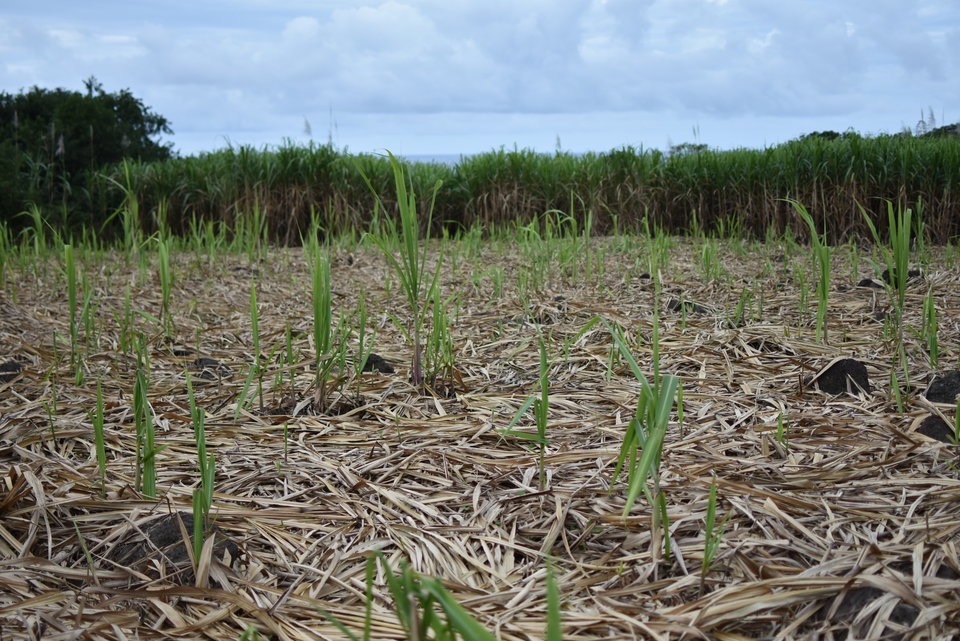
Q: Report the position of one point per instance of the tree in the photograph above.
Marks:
(53, 141)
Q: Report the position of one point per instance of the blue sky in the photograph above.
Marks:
(446, 77)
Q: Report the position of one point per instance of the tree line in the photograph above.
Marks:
(54, 141)
(77, 155)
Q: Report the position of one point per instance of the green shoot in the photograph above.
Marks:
(895, 390)
(709, 262)
(554, 631)
(166, 282)
(854, 261)
(740, 312)
(781, 430)
(322, 319)
(255, 233)
(125, 324)
(143, 419)
(128, 211)
(256, 371)
(322, 306)
(202, 496)
(97, 418)
(71, 271)
(38, 236)
(438, 356)
(713, 534)
(51, 406)
(680, 409)
(661, 521)
(244, 399)
(89, 316)
(648, 427)
(541, 406)
(255, 336)
(422, 605)
(411, 266)
(364, 345)
(250, 633)
(930, 328)
(897, 254)
(821, 255)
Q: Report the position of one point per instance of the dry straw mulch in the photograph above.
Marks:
(850, 525)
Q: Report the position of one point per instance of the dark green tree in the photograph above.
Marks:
(52, 142)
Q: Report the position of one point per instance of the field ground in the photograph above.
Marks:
(838, 513)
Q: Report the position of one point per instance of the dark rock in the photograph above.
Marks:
(10, 370)
(891, 277)
(936, 428)
(210, 368)
(948, 573)
(377, 363)
(855, 601)
(160, 535)
(843, 376)
(161, 539)
(944, 388)
(686, 306)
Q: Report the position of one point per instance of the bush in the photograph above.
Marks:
(53, 141)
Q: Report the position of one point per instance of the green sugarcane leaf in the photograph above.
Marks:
(520, 412)
(461, 621)
(554, 630)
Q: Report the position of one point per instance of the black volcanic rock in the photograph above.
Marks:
(944, 388)
(843, 376)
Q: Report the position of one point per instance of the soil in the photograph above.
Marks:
(840, 513)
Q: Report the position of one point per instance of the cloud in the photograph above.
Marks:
(259, 66)
(505, 56)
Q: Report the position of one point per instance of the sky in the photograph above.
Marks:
(438, 77)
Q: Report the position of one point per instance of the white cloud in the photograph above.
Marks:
(302, 29)
(67, 38)
(256, 66)
(758, 46)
